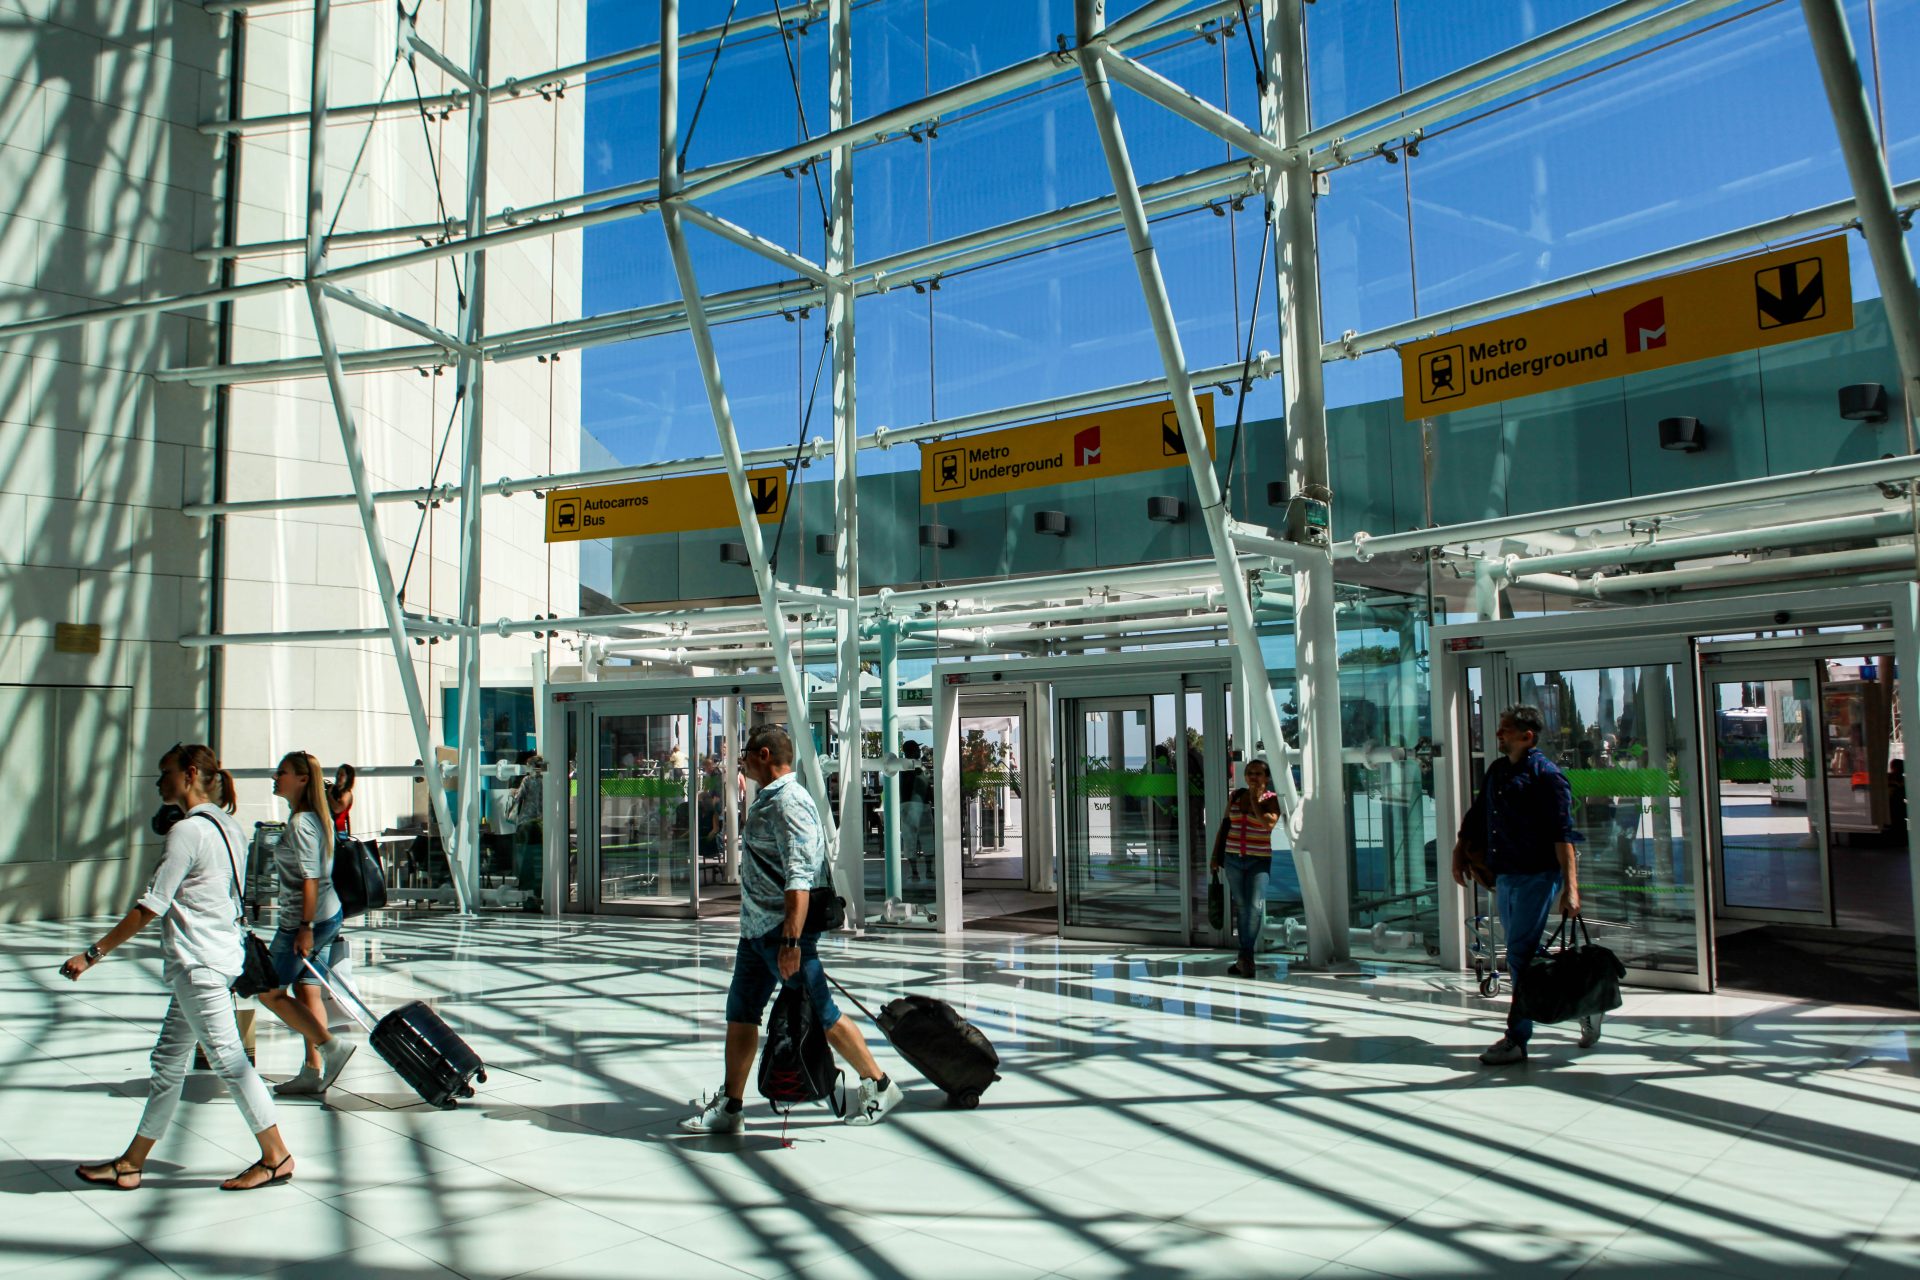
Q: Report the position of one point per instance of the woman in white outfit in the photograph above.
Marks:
(195, 893)
(309, 922)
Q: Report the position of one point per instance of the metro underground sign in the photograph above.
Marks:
(1760, 301)
(679, 505)
(1113, 442)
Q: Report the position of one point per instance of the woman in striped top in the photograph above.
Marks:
(1244, 848)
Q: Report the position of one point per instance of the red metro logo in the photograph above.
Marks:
(1086, 447)
(1646, 325)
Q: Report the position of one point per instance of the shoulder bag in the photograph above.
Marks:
(257, 974)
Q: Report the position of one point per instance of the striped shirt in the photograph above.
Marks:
(1247, 837)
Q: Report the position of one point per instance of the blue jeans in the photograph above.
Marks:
(756, 972)
(1246, 877)
(286, 962)
(1526, 903)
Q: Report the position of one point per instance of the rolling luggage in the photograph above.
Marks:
(941, 1045)
(418, 1044)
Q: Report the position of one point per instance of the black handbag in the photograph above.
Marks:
(1216, 904)
(257, 974)
(1580, 979)
(826, 910)
(357, 878)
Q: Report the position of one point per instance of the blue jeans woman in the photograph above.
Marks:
(1244, 850)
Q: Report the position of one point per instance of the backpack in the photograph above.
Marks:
(796, 1066)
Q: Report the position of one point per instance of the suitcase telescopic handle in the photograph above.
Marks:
(856, 999)
(349, 1000)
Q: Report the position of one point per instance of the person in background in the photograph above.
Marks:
(310, 920)
(1523, 817)
(525, 808)
(340, 798)
(1244, 850)
(195, 893)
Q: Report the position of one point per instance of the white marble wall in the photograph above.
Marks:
(106, 189)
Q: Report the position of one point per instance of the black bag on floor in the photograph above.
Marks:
(952, 1053)
(418, 1044)
(357, 878)
(796, 1066)
(1579, 979)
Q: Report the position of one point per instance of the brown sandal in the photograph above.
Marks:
(115, 1176)
(274, 1176)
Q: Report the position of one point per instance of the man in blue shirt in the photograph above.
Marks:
(1523, 818)
(783, 856)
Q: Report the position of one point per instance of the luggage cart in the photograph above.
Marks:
(263, 885)
(1486, 940)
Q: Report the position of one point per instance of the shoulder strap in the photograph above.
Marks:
(240, 911)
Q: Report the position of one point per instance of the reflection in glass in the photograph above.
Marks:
(645, 809)
(1611, 730)
(1122, 808)
(1772, 854)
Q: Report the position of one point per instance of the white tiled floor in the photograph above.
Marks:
(1156, 1119)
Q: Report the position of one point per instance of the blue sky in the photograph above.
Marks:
(1724, 126)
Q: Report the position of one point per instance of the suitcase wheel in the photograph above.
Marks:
(481, 1076)
(966, 1101)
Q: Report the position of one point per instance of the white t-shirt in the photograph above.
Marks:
(306, 853)
(195, 894)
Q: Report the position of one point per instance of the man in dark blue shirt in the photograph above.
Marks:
(1523, 818)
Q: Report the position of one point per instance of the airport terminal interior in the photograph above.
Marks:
(1233, 512)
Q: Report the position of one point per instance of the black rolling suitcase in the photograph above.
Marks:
(418, 1044)
(942, 1046)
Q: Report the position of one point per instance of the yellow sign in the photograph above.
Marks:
(678, 505)
(1113, 442)
(1775, 297)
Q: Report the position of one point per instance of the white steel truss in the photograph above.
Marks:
(1280, 161)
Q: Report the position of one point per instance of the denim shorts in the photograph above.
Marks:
(286, 961)
(756, 972)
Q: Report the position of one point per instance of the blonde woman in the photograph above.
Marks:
(195, 893)
(309, 922)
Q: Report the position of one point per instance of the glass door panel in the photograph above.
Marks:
(1769, 811)
(1613, 732)
(1121, 793)
(644, 815)
(992, 816)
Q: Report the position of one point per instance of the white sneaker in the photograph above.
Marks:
(1590, 1029)
(872, 1103)
(713, 1116)
(1504, 1053)
(333, 1060)
(302, 1084)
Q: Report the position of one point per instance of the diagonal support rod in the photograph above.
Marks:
(807, 759)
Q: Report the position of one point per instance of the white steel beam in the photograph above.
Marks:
(1089, 17)
(1322, 831)
(1189, 106)
(851, 880)
(746, 239)
(472, 386)
(1872, 189)
(807, 760)
(399, 319)
(397, 622)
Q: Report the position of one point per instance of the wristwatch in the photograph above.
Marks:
(789, 942)
(306, 924)
(94, 953)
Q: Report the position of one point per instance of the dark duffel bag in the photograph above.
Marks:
(944, 1047)
(357, 878)
(1579, 979)
(418, 1044)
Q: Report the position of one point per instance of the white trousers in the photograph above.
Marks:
(202, 1010)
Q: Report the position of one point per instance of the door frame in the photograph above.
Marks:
(1757, 668)
(1116, 696)
(589, 702)
(1018, 702)
(1708, 627)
